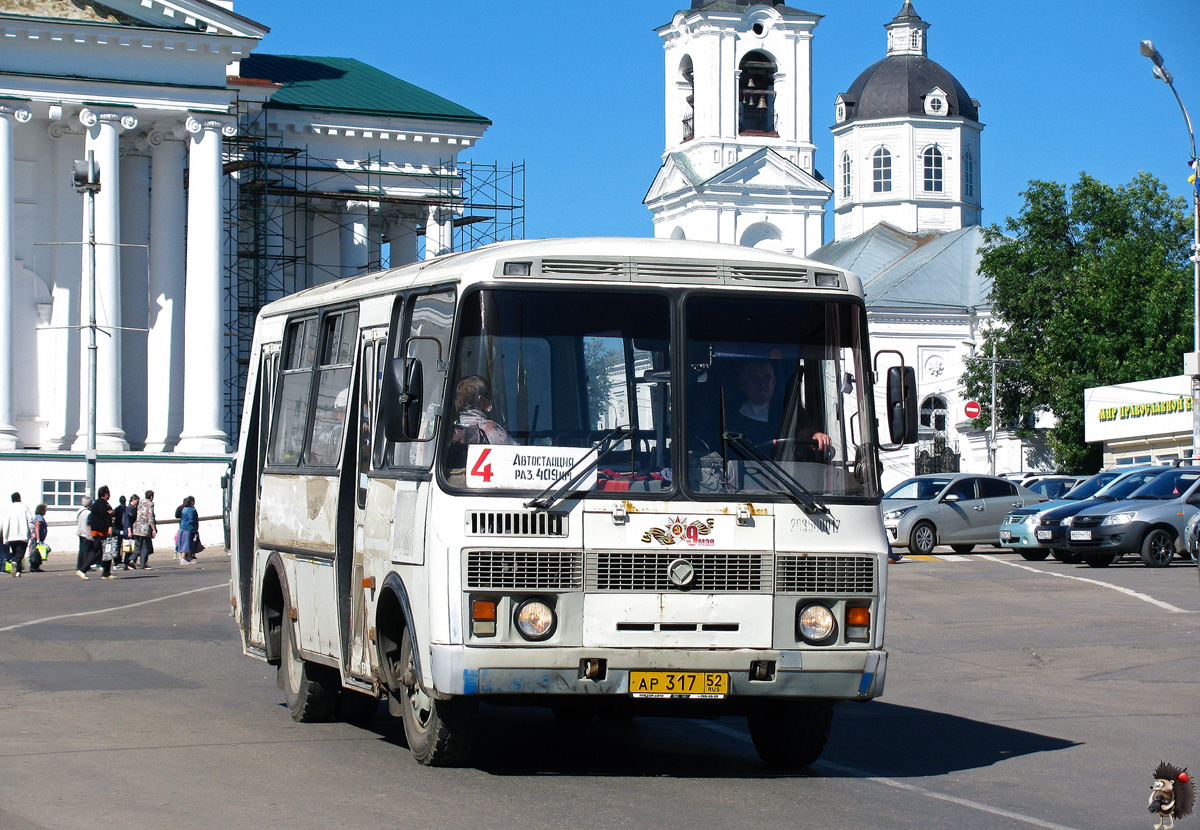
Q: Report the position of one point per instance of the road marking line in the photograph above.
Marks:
(1129, 591)
(117, 608)
(920, 557)
(951, 557)
(913, 788)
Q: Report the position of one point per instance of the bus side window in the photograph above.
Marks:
(340, 333)
(290, 421)
(429, 316)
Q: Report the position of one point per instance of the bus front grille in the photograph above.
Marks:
(525, 569)
(650, 571)
(823, 574)
(515, 523)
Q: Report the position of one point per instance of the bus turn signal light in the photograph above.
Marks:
(858, 623)
(483, 617)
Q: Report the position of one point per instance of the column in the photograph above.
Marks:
(164, 340)
(401, 232)
(439, 232)
(355, 254)
(8, 114)
(102, 136)
(135, 239)
(204, 394)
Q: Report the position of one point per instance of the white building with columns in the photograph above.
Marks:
(198, 222)
(738, 164)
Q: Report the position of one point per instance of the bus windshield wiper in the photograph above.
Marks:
(806, 498)
(579, 470)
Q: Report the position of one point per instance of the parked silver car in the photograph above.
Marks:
(961, 510)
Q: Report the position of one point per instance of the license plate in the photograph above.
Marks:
(679, 684)
(1044, 535)
(1081, 536)
(1006, 536)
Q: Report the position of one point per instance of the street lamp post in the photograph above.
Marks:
(1191, 362)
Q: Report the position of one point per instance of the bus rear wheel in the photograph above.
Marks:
(790, 733)
(311, 691)
(440, 733)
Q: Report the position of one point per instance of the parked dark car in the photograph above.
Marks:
(1019, 529)
(1051, 531)
(1149, 523)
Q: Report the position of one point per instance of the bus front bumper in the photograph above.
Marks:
(844, 674)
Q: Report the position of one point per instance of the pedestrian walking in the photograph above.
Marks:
(84, 534)
(37, 542)
(189, 531)
(145, 528)
(100, 522)
(119, 515)
(128, 546)
(17, 528)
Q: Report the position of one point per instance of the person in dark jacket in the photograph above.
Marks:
(127, 521)
(186, 543)
(100, 522)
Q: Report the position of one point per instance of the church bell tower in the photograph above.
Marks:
(738, 159)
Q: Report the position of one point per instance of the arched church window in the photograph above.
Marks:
(933, 413)
(845, 175)
(933, 170)
(915, 39)
(881, 170)
(687, 89)
(968, 173)
(756, 95)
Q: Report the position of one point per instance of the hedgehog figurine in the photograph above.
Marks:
(1173, 796)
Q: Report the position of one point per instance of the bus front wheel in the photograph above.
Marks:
(311, 690)
(790, 733)
(440, 733)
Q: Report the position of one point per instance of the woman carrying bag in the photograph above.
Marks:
(186, 542)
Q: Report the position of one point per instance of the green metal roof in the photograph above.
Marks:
(346, 85)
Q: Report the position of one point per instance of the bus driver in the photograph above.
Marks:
(757, 418)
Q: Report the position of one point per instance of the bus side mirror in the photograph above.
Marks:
(902, 404)
(401, 398)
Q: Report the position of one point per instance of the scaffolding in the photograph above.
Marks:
(279, 228)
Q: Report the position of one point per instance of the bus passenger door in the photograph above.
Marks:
(372, 501)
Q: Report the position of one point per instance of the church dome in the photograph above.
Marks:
(699, 4)
(896, 87)
(906, 82)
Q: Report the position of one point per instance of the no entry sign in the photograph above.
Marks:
(972, 409)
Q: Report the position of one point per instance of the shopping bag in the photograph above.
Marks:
(112, 548)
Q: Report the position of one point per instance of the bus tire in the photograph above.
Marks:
(311, 691)
(923, 539)
(790, 733)
(440, 733)
(1034, 554)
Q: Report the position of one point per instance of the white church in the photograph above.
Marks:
(228, 178)
(738, 167)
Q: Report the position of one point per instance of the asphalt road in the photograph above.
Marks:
(1019, 695)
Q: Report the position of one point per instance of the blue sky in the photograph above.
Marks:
(575, 89)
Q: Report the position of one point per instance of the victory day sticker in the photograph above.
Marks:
(502, 466)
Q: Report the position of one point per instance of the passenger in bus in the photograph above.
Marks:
(473, 403)
(759, 415)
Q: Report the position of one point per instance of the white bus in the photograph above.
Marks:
(610, 476)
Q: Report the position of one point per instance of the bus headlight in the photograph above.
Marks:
(815, 624)
(535, 619)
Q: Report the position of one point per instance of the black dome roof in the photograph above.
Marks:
(896, 87)
(699, 4)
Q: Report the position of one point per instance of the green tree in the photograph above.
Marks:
(1091, 286)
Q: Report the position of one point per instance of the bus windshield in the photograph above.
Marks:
(775, 387)
(547, 381)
